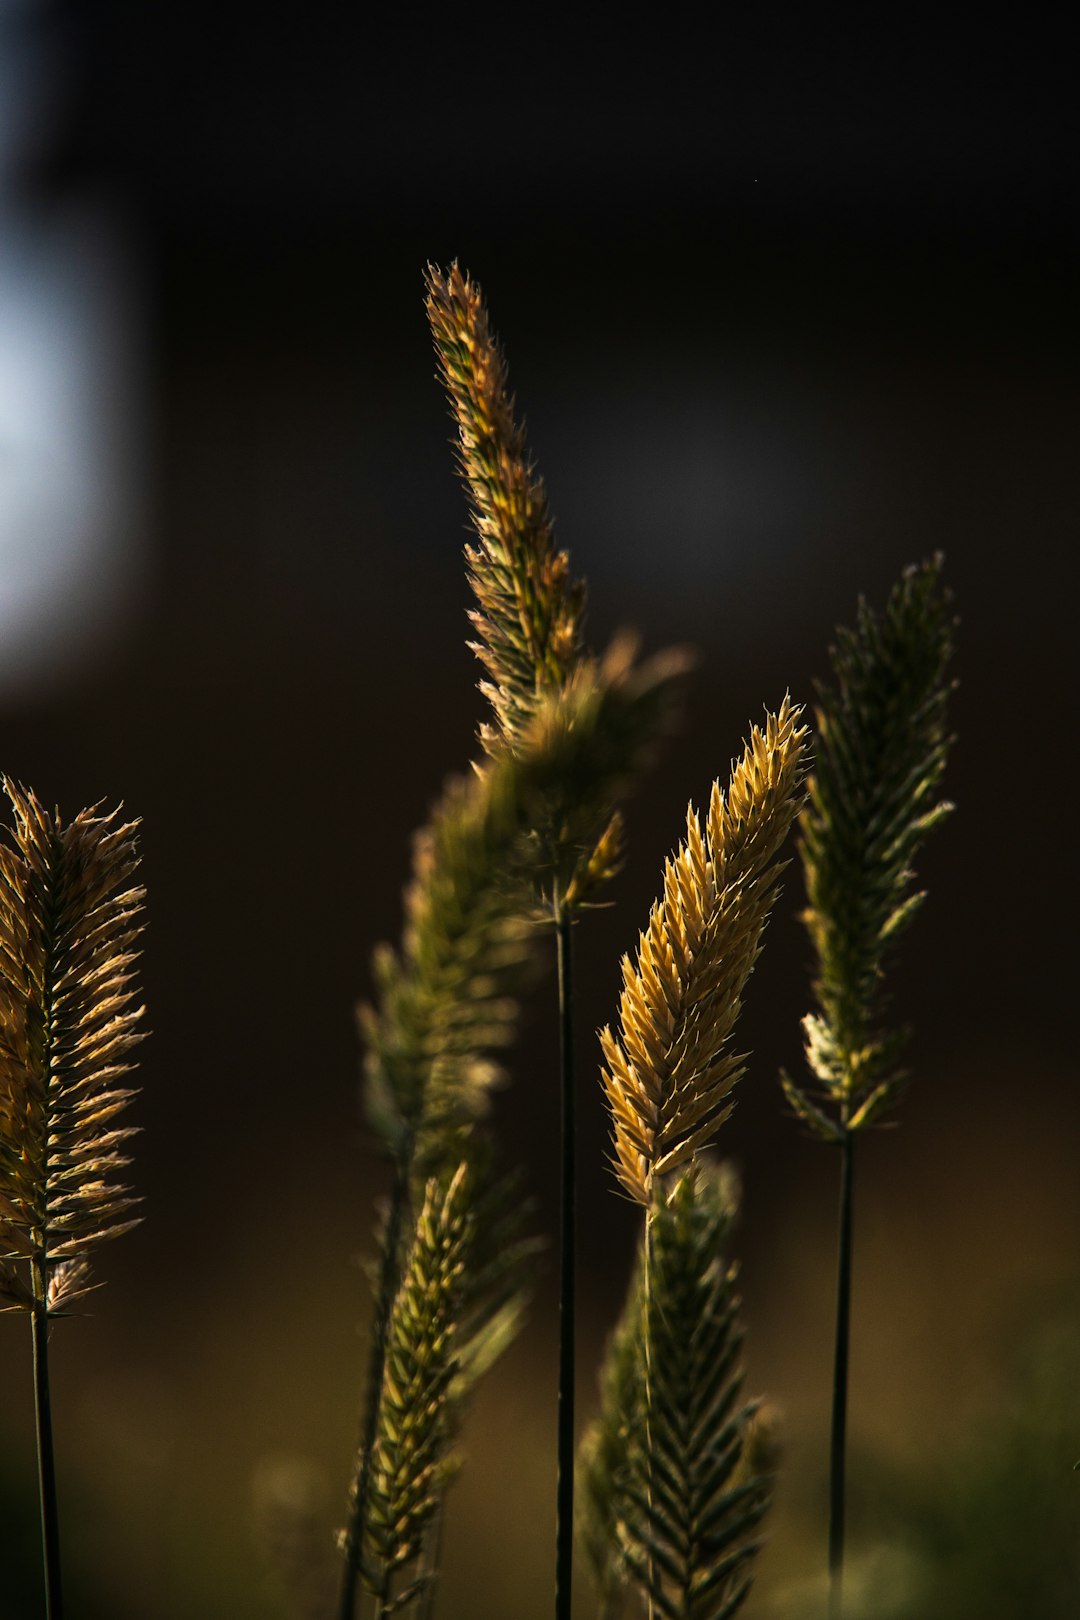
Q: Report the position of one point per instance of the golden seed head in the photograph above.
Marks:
(70, 918)
(669, 1072)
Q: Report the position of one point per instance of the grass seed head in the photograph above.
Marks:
(669, 1071)
(70, 920)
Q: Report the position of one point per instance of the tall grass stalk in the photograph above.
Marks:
(838, 1427)
(881, 751)
(648, 1301)
(663, 1511)
(529, 620)
(50, 1513)
(564, 1505)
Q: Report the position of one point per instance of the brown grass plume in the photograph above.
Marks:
(69, 922)
(530, 611)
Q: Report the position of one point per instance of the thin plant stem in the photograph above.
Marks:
(564, 1503)
(429, 1565)
(646, 1304)
(388, 1283)
(382, 1598)
(837, 1453)
(50, 1520)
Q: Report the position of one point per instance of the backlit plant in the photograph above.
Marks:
(674, 1484)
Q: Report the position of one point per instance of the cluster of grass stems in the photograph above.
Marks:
(674, 1474)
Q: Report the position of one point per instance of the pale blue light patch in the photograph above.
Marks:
(68, 562)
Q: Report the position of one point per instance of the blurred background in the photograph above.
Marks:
(786, 307)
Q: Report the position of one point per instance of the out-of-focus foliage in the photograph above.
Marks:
(982, 1522)
(992, 1526)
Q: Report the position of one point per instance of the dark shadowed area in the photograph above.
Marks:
(785, 310)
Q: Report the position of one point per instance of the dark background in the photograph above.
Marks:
(788, 305)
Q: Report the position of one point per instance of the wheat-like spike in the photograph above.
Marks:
(466, 1204)
(458, 1305)
(674, 1507)
(69, 926)
(412, 1459)
(530, 611)
(873, 797)
(669, 1072)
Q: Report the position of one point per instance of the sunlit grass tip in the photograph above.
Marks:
(669, 1071)
(70, 918)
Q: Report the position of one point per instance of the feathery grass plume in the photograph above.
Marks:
(530, 611)
(670, 1506)
(68, 929)
(69, 924)
(529, 621)
(411, 1460)
(452, 1315)
(669, 1072)
(873, 797)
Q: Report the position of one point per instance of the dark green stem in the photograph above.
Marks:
(50, 1519)
(837, 1451)
(646, 1283)
(429, 1565)
(564, 1489)
(388, 1284)
(382, 1597)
